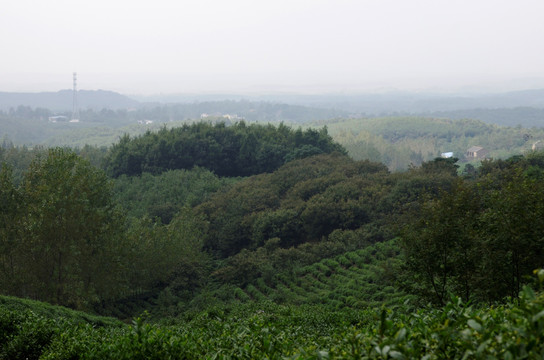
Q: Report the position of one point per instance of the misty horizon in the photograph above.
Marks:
(51, 83)
(251, 47)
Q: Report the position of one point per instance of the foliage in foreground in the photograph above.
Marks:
(265, 330)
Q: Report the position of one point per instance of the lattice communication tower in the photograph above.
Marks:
(75, 107)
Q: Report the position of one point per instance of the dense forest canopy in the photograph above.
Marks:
(303, 201)
(209, 220)
(162, 196)
(306, 210)
(237, 150)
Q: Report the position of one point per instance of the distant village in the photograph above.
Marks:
(220, 116)
(480, 153)
(62, 118)
(203, 116)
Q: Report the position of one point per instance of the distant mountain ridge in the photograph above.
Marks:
(525, 107)
(62, 100)
(370, 104)
(414, 102)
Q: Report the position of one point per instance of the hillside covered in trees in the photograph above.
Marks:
(401, 142)
(237, 150)
(251, 241)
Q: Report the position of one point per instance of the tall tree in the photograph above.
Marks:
(481, 237)
(71, 230)
(10, 200)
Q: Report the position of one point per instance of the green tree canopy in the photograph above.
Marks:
(237, 150)
(480, 237)
(68, 243)
(305, 200)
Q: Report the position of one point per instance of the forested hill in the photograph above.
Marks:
(237, 150)
(323, 256)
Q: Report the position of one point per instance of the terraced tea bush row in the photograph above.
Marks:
(267, 330)
(358, 284)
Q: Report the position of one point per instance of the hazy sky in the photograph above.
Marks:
(168, 46)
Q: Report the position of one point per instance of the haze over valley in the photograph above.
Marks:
(271, 179)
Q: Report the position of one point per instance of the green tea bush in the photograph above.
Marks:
(353, 257)
(324, 269)
(331, 263)
(261, 285)
(25, 335)
(344, 261)
(267, 330)
(255, 293)
(241, 295)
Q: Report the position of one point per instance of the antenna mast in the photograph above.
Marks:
(75, 107)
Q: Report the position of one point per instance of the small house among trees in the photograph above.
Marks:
(476, 152)
(58, 118)
(538, 146)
